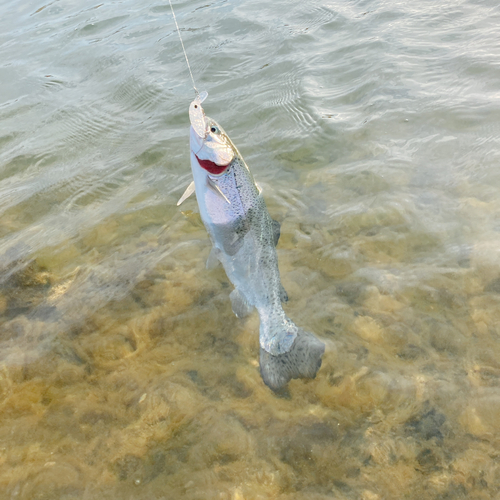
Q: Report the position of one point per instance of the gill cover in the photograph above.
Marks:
(216, 147)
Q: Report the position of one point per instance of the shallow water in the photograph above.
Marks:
(373, 128)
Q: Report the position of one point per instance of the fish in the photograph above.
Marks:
(244, 239)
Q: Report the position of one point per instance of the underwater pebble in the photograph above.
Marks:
(369, 495)
(485, 312)
(485, 256)
(368, 329)
(427, 425)
(482, 416)
(377, 302)
(335, 262)
(484, 376)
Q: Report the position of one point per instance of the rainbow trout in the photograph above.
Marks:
(244, 239)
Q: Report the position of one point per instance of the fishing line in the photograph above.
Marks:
(184, 50)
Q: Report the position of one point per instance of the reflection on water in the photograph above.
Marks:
(373, 130)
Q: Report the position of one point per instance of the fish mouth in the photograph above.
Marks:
(211, 167)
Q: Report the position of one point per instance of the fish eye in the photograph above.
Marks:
(213, 129)
(196, 106)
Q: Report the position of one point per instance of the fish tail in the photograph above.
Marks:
(302, 360)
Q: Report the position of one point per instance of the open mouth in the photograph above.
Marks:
(211, 167)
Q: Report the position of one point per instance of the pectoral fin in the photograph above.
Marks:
(216, 189)
(189, 191)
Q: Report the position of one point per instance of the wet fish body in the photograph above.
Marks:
(244, 239)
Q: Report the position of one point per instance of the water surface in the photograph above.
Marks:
(373, 129)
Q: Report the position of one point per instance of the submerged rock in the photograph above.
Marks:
(427, 425)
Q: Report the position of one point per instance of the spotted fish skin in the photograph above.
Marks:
(244, 238)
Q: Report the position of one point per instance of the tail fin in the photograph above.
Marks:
(303, 360)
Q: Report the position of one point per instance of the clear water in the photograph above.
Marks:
(373, 128)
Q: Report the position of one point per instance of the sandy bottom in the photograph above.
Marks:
(125, 375)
